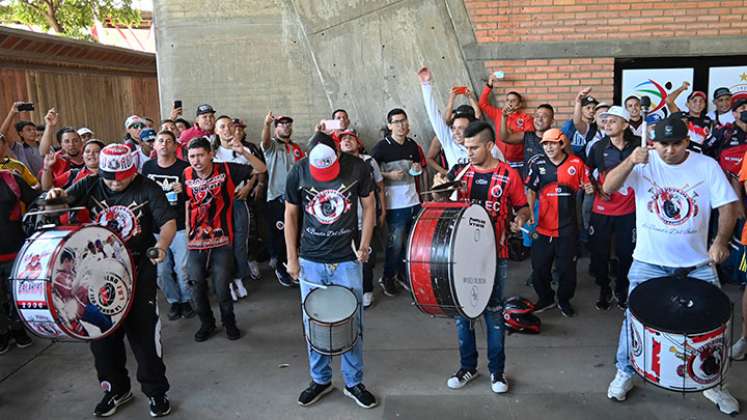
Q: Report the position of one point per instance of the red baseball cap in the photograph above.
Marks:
(323, 162)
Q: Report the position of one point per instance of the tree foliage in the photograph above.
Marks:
(73, 18)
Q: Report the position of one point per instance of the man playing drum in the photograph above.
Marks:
(138, 205)
(326, 186)
(675, 191)
(496, 186)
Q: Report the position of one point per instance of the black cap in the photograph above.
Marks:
(464, 111)
(670, 130)
(588, 100)
(722, 91)
(737, 103)
(205, 109)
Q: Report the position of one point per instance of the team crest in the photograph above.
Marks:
(673, 206)
(496, 191)
(572, 171)
(328, 206)
(120, 219)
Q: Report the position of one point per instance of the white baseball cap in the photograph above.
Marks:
(84, 130)
(616, 111)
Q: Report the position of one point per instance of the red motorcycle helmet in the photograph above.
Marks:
(521, 322)
(518, 304)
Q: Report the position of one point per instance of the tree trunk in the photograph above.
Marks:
(51, 16)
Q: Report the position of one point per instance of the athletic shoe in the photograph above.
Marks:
(283, 278)
(254, 271)
(232, 289)
(361, 396)
(4, 343)
(622, 302)
(240, 289)
(159, 406)
(368, 299)
(605, 299)
(187, 311)
(205, 331)
(462, 378)
(725, 402)
(738, 350)
(566, 309)
(543, 305)
(110, 403)
(175, 312)
(620, 386)
(388, 286)
(313, 393)
(22, 338)
(498, 383)
(232, 331)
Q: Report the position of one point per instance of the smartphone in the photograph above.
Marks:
(26, 106)
(499, 74)
(460, 90)
(332, 124)
(177, 103)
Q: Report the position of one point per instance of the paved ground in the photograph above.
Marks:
(561, 374)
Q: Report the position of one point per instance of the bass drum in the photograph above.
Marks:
(451, 259)
(73, 283)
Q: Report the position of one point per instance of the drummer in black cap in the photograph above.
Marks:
(675, 191)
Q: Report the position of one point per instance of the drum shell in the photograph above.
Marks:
(331, 337)
(41, 300)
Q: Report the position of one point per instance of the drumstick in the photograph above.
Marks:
(459, 176)
(321, 286)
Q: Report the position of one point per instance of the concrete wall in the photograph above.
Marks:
(305, 58)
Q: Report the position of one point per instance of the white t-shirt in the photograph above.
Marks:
(723, 119)
(673, 206)
(223, 154)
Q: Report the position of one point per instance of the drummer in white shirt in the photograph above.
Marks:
(675, 191)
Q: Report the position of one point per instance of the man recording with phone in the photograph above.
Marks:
(25, 150)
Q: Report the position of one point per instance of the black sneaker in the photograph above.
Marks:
(284, 279)
(313, 393)
(462, 378)
(543, 305)
(22, 338)
(159, 406)
(110, 403)
(605, 299)
(4, 343)
(187, 311)
(175, 312)
(566, 309)
(361, 396)
(205, 331)
(388, 286)
(232, 331)
(622, 302)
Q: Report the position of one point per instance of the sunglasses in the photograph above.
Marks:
(137, 125)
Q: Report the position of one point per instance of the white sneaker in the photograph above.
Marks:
(233, 292)
(739, 349)
(725, 402)
(498, 384)
(240, 289)
(462, 378)
(620, 386)
(254, 270)
(368, 299)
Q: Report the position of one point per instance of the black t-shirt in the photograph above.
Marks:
(330, 209)
(135, 214)
(532, 148)
(11, 228)
(166, 178)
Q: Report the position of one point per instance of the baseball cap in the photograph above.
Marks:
(601, 105)
(464, 111)
(616, 111)
(589, 100)
(722, 91)
(205, 109)
(132, 120)
(84, 130)
(736, 103)
(116, 162)
(239, 122)
(670, 130)
(283, 118)
(697, 93)
(323, 163)
(553, 135)
(148, 134)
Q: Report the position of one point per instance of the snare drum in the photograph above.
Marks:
(73, 283)
(678, 333)
(451, 259)
(333, 323)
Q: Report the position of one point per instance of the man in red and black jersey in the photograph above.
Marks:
(555, 178)
(70, 156)
(497, 187)
(91, 152)
(210, 189)
(543, 118)
(731, 145)
(612, 215)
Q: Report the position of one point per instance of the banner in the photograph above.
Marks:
(657, 84)
(734, 78)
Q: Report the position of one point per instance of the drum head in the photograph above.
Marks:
(473, 254)
(680, 305)
(330, 305)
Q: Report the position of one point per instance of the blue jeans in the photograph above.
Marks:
(398, 223)
(494, 328)
(346, 274)
(241, 239)
(172, 272)
(640, 272)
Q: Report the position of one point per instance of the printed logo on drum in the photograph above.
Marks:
(636, 345)
(328, 206)
(704, 364)
(673, 206)
(111, 297)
